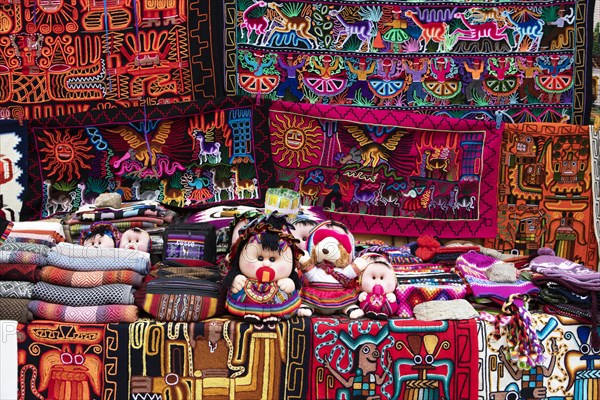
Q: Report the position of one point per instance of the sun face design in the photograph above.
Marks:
(64, 154)
(296, 141)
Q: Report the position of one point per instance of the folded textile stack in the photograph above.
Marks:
(22, 255)
(146, 215)
(420, 281)
(567, 288)
(89, 284)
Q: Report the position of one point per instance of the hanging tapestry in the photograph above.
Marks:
(13, 168)
(183, 155)
(59, 57)
(595, 167)
(515, 61)
(399, 359)
(389, 171)
(569, 371)
(545, 192)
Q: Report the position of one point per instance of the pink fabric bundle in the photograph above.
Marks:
(110, 313)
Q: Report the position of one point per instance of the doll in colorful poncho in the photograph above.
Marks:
(378, 287)
(263, 281)
(329, 273)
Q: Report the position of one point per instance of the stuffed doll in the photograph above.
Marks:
(135, 239)
(100, 234)
(329, 274)
(301, 229)
(378, 287)
(263, 283)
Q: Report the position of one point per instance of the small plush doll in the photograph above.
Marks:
(135, 239)
(263, 283)
(100, 234)
(329, 274)
(302, 227)
(378, 284)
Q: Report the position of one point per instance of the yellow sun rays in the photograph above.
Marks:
(296, 140)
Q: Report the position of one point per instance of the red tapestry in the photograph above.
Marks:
(545, 197)
(59, 57)
(388, 171)
(399, 359)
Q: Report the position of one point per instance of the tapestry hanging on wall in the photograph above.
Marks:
(59, 58)
(545, 193)
(13, 168)
(514, 61)
(184, 155)
(387, 171)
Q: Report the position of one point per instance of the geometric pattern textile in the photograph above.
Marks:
(388, 171)
(545, 196)
(302, 358)
(395, 360)
(13, 168)
(60, 58)
(525, 61)
(183, 155)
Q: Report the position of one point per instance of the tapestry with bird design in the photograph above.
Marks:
(63, 57)
(188, 155)
(510, 61)
(387, 171)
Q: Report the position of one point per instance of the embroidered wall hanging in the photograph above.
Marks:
(399, 359)
(388, 171)
(567, 372)
(183, 155)
(13, 168)
(59, 58)
(514, 61)
(545, 197)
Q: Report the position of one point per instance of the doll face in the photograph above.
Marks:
(134, 239)
(99, 240)
(378, 274)
(301, 232)
(264, 264)
(235, 231)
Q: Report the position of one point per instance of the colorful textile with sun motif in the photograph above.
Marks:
(62, 57)
(184, 155)
(397, 359)
(545, 197)
(520, 61)
(388, 171)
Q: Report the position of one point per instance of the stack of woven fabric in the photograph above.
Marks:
(146, 215)
(89, 284)
(22, 255)
(420, 281)
(567, 288)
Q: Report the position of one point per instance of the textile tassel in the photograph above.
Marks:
(523, 348)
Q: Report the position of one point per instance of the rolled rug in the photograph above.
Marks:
(109, 313)
(79, 297)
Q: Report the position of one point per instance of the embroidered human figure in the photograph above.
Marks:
(396, 35)
(291, 83)
(475, 86)
(417, 70)
(361, 85)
